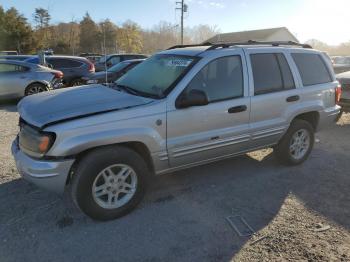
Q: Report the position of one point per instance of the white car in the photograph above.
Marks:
(18, 79)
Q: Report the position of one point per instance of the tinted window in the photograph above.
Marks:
(63, 63)
(312, 69)
(220, 79)
(114, 60)
(271, 73)
(7, 68)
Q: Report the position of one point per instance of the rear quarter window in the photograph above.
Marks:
(312, 69)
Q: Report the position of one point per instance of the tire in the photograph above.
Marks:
(286, 152)
(77, 82)
(35, 88)
(339, 115)
(89, 177)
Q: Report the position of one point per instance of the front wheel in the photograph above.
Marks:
(296, 145)
(109, 183)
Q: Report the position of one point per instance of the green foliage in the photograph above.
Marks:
(89, 35)
(15, 32)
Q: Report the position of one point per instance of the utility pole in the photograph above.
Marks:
(183, 10)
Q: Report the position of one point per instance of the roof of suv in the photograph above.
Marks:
(194, 50)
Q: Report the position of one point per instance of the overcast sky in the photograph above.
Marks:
(325, 20)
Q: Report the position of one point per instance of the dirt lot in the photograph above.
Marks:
(298, 213)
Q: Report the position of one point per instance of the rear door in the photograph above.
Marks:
(13, 79)
(273, 93)
(221, 128)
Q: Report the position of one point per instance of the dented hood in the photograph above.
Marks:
(69, 103)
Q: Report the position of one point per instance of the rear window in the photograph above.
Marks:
(271, 73)
(63, 63)
(312, 69)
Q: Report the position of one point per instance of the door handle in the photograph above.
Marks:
(237, 109)
(292, 98)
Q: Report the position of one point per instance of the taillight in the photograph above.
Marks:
(58, 74)
(337, 94)
(91, 67)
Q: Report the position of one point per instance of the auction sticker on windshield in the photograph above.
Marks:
(179, 62)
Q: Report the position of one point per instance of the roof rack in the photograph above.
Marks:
(195, 45)
(213, 46)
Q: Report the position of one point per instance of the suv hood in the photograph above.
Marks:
(64, 104)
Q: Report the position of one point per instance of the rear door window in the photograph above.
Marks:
(312, 69)
(271, 73)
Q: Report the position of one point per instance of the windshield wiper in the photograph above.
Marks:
(136, 92)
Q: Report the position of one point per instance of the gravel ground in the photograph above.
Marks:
(298, 213)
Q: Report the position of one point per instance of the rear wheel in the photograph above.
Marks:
(77, 82)
(296, 145)
(35, 88)
(109, 183)
(339, 115)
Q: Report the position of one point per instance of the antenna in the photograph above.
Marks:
(105, 52)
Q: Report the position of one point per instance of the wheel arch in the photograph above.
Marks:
(313, 117)
(139, 147)
(44, 83)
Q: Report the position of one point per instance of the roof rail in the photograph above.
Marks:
(213, 46)
(252, 42)
(184, 46)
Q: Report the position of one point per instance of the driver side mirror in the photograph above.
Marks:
(193, 98)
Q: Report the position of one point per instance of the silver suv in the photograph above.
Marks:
(182, 107)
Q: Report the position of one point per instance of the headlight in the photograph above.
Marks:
(92, 81)
(34, 142)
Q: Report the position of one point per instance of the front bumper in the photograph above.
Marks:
(50, 175)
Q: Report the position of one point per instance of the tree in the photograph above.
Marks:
(108, 36)
(15, 32)
(202, 33)
(43, 33)
(129, 38)
(89, 35)
(41, 17)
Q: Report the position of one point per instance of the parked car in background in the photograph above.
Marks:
(92, 57)
(73, 67)
(18, 79)
(8, 53)
(15, 57)
(113, 73)
(341, 64)
(180, 108)
(344, 80)
(108, 61)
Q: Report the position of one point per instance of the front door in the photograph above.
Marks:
(221, 128)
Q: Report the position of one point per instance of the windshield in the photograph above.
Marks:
(118, 67)
(103, 59)
(157, 74)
